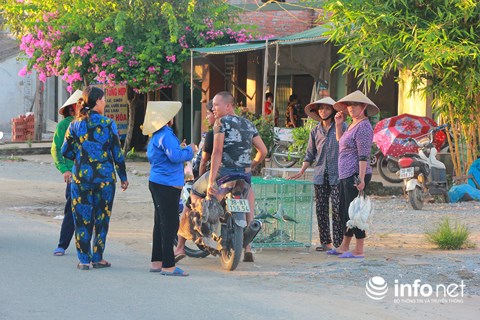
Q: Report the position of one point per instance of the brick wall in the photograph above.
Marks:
(280, 23)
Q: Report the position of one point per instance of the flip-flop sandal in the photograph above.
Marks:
(179, 257)
(349, 255)
(59, 252)
(99, 265)
(333, 252)
(177, 272)
(83, 266)
(323, 247)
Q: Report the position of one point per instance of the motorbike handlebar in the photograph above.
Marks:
(430, 136)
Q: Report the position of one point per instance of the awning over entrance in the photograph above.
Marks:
(316, 34)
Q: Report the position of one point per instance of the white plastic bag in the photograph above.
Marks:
(359, 211)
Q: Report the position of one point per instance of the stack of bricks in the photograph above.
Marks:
(23, 128)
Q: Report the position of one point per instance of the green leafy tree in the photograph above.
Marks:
(436, 42)
(138, 43)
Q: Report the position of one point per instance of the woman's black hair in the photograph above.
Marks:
(89, 100)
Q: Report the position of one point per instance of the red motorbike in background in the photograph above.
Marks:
(390, 135)
(422, 173)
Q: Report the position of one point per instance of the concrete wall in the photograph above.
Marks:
(17, 92)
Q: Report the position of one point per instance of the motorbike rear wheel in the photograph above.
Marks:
(281, 158)
(232, 253)
(415, 197)
(388, 169)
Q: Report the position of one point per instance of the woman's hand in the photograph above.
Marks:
(296, 176)
(339, 117)
(194, 147)
(360, 186)
(124, 185)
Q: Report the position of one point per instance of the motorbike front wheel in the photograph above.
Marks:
(281, 158)
(388, 169)
(192, 250)
(232, 253)
(415, 197)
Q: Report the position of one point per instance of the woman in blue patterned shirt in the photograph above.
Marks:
(93, 144)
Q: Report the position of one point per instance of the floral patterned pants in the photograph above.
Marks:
(322, 193)
(91, 208)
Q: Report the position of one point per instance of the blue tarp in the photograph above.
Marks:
(470, 191)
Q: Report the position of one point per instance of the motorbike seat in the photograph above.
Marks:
(233, 177)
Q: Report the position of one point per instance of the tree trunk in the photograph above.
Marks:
(38, 111)
(132, 99)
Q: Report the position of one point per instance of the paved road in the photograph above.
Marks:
(37, 285)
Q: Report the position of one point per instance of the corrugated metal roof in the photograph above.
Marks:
(231, 48)
(310, 35)
(316, 34)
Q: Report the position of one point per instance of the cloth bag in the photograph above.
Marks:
(359, 211)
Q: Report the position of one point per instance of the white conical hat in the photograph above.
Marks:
(311, 109)
(158, 114)
(72, 100)
(357, 96)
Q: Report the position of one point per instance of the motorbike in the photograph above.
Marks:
(280, 153)
(388, 167)
(422, 173)
(218, 225)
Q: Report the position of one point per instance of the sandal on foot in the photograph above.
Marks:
(248, 257)
(177, 272)
(59, 252)
(323, 247)
(334, 252)
(82, 266)
(99, 265)
(179, 257)
(349, 255)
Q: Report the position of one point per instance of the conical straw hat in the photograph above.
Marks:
(72, 100)
(357, 96)
(158, 114)
(311, 109)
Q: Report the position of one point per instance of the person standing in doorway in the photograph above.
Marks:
(93, 143)
(64, 165)
(323, 150)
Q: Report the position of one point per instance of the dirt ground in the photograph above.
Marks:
(395, 248)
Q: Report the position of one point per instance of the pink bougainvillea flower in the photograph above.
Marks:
(107, 40)
(120, 49)
(171, 58)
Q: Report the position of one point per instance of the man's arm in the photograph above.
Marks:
(203, 163)
(216, 159)
(261, 151)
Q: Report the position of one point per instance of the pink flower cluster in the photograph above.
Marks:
(171, 58)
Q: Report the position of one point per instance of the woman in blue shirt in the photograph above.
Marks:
(93, 144)
(166, 157)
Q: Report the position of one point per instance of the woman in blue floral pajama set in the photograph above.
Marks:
(92, 142)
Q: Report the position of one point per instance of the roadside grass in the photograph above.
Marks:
(448, 236)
